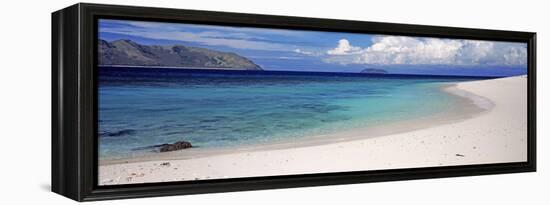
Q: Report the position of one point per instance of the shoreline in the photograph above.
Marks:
(470, 105)
(193, 165)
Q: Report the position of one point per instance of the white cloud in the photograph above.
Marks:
(300, 51)
(290, 58)
(218, 36)
(344, 48)
(225, 29)
(408, 50)
(398, 50)
(206, 38)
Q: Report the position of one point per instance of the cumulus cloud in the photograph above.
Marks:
(400, 50)
(344, 48)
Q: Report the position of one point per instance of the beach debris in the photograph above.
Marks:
(167, 147)
(137, 174)
(165, 164)
(459, 155)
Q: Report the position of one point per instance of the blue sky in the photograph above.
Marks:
(298, 50)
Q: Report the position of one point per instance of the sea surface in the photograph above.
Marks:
(140, 107)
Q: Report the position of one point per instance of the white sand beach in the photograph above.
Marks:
(494, 132)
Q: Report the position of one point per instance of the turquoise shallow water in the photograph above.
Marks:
(144, 107)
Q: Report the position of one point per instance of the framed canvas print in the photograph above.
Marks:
(153, 101)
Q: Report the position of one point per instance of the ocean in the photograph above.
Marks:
(140, 107)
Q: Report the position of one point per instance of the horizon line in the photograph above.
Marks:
(234, 69)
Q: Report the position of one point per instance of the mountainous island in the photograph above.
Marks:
(130, 53)
(374, 71)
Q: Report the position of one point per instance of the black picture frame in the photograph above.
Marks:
(74, 107)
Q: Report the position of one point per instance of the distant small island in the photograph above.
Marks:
(129, 53)
(374, 71)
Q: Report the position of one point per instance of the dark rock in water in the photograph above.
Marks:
(118, 133)
(209, 120)
(166, 147)
(175, 146)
